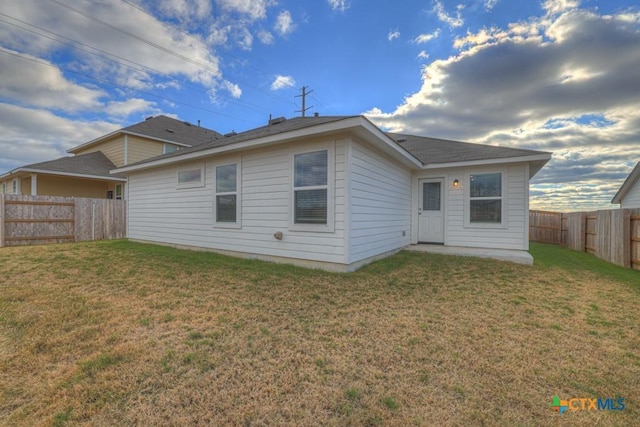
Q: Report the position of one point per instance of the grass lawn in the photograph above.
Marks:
(120, 333)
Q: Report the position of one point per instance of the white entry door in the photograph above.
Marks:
(431, 211)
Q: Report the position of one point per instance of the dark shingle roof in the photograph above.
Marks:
(433, 150)
(426, 150)
(166, 128)
(260, 132)
(95, 164)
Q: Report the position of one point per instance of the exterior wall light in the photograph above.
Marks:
(456, 183)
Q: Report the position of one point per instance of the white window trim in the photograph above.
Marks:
(329, 227)
(194, 184)
(238, 224)
(503, 198)
(15, 186)
(4, 187)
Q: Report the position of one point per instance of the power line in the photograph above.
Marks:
(155, 45)
(201, 40)
(91, 50)
(323, 105)
(37, 61)
(142, 39)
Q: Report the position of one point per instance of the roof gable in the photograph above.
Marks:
(627, 185)
(161, 128)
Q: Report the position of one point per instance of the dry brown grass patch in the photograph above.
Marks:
(121, 333)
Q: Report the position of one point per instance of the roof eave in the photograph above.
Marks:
(355, 122)
(58, 173)
(628, 183)
(541, 157)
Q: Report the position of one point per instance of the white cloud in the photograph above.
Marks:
(283, 82)
(555, 7)
(490, 4)
(393, 34)
(33, 135)
(253, 9)
(423, 55)
(131, 106)
(265, 37)
(36, 82)
(284, 23)
(232, 88)
(565, 84)
(186, 10)
(452, 21)
(424, 38)
(191, 57)
(340, 5)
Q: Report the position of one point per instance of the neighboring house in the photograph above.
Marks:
(333, 193)
(628, 196)
(86, 174)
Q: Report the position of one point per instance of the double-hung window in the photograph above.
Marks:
(311, 188)
(485, 198)
(227, 198)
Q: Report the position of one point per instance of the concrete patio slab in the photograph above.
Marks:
(519, 257)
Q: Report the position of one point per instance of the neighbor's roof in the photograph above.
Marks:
(278, 126)
(627, 184)
(422, 150)
(91, 165)
(162, 128)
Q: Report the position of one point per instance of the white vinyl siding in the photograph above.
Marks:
(632, 198)
(160, 212)
(511, 234)
(380, 209)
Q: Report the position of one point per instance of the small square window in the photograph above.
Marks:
(190, 176)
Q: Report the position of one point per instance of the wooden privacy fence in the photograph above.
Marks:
(28, 220)
(612, 235)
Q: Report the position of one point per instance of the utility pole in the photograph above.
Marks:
(304, 101)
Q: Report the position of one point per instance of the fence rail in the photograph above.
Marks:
(612, 235)
(28, 220)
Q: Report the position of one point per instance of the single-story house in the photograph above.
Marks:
(628, 196)
(332, 192)
(86, 173)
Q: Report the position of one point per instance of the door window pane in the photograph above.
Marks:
(431, 196)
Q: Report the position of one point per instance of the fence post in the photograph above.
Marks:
(3, 214)
(621, 237)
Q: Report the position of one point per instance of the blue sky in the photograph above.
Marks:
(552, 75)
